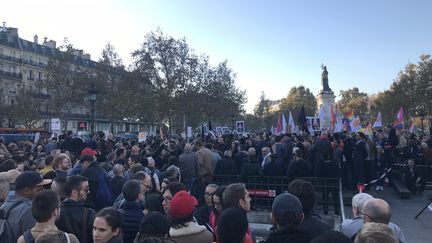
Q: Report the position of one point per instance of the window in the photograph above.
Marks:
(31, 75)
(39, 76)
(1, 51)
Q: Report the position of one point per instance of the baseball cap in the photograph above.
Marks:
(30, 179)
(286, 202)
(88, 151)
(182, 205)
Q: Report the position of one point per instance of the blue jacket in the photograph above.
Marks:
(132, 213)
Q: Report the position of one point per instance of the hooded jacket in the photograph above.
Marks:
(192, 233)
(71, 219)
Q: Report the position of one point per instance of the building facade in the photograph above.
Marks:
(23, 65)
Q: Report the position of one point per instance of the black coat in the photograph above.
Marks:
(132, 214)
(288, 235)
(117, 186)
(226, 166)
(71, 219)
(321, 151)
(313, 226)
(298, 168)
(92, 173)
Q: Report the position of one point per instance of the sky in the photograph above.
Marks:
(271, 45)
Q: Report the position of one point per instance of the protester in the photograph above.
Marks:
(183, 227)
(378, 211)
(100, 194)
(61, 165)
(18, 207)
(331, 237)
(107, 226)
(154, 224)
(375, 232)
(305, 192)
(169, 193)
(203, 213)
(349, 227)
(45, 210)
(287, 213)
(131, 209)
(232, 226)
(4, 190)
(189, 167)
(218, 207)
(75, 218)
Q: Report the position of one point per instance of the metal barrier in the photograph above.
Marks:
(264, 189)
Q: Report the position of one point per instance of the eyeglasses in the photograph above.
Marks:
(208, 194)
(364, 214)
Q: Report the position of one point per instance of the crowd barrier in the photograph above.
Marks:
(263, 190)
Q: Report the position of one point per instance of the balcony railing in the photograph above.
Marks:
(16, 76)
(9, 58)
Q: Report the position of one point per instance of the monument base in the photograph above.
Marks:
(327, 100)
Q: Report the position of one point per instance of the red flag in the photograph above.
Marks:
(333, 118)
(279, 125)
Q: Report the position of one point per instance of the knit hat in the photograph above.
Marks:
(88, 151)
(154, 224)
(286, 202)
(182, 205)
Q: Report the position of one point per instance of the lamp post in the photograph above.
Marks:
(422, 115)
(93, 95)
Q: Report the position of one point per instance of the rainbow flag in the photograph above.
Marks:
(349, 114)
(368, 131)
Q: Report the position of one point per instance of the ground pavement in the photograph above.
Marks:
(403, 213)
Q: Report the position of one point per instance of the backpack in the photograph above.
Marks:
(103, 197)
(6, 233)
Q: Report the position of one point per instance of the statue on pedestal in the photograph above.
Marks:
(324, 80)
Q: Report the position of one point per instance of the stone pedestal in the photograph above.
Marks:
(326, 99)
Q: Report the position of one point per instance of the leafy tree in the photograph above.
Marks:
(356, 100)
(66, 83)
(26, 109)
(411, 89)
(184, 85)
(262, 108)
(297, 97)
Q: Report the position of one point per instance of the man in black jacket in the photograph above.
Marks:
(100, 195)
(132, 209)
(287, 213)
(75, 218)
(305, 192)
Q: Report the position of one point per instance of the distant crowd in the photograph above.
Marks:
(68, 189)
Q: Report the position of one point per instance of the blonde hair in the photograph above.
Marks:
(375, 232)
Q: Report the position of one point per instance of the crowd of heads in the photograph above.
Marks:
(160, 188)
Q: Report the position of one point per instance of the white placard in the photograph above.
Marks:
(142, 137)
(55, 124)
(37, 136)
(189, 132)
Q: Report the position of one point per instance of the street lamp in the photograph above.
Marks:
(93, 95)
(422, 114)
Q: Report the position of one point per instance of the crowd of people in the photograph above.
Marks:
(68, 189)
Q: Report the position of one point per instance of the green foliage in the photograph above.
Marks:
(184, 85)
(297, 97)
(356, 100)
(26, 109)
(411, 89)
(65, 83)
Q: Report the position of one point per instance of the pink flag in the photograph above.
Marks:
(399, 122)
